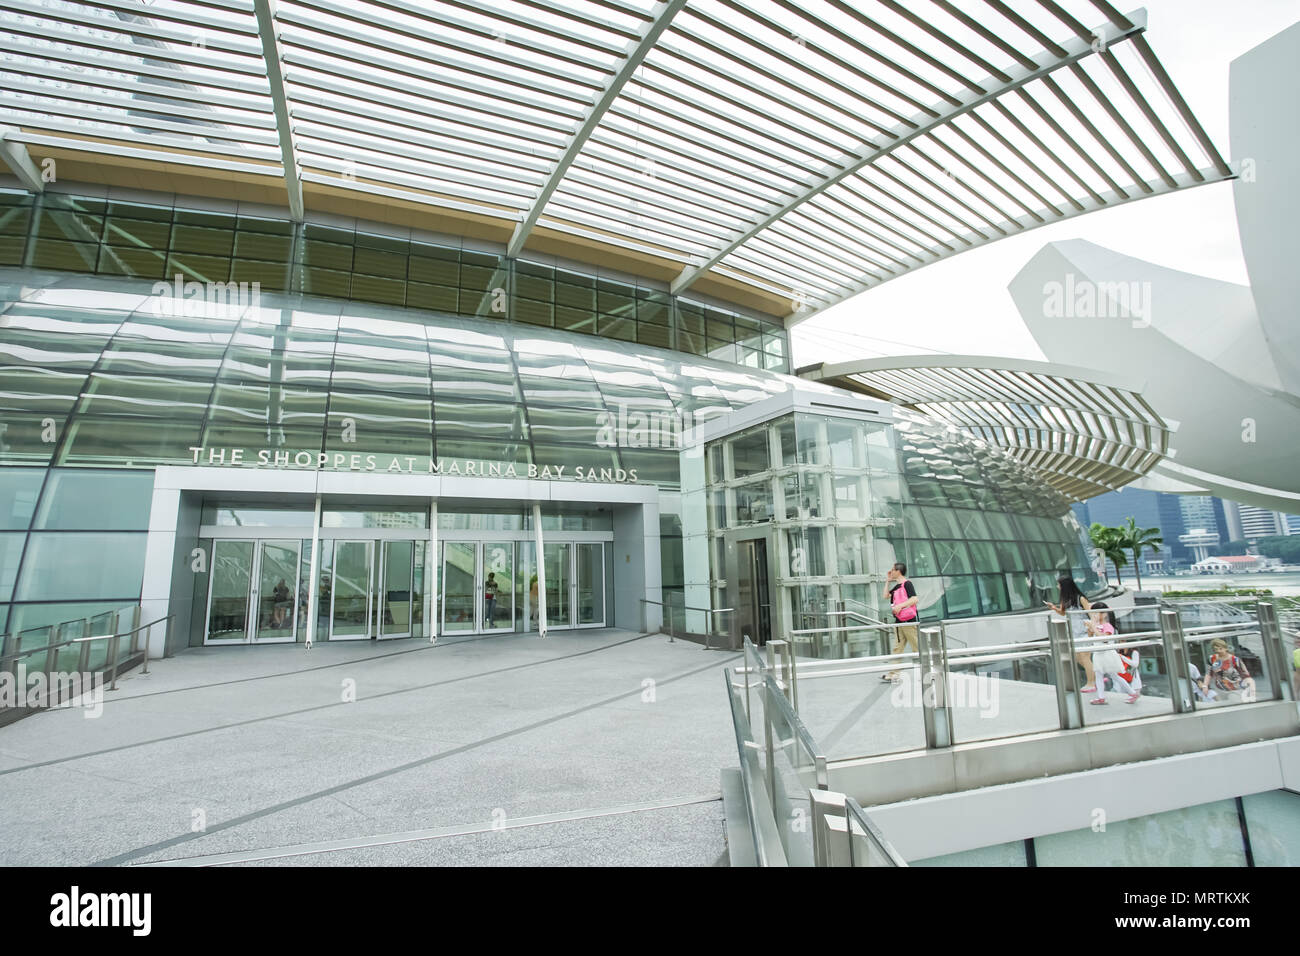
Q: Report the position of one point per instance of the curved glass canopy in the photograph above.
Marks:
(795, 152)
(1084, 431)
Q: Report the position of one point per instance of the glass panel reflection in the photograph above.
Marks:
(498, 584)
(277, 579)
(558, 579)
(350, 616)
(591, 583)
(397, 593)
(458, 586)
(232, 573)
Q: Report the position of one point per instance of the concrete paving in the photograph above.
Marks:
(607, 745)
(589, 747)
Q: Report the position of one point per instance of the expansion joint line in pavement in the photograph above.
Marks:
(130, 855)
(429, 833)
(308, 710)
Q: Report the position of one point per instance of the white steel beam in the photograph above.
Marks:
(637, 52)
(1181, 181)
(19, 161)
(1073, 51)
(265, 11)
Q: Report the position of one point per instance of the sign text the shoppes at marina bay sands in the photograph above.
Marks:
(401, 464)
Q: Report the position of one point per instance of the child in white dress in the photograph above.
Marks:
(1109, 662)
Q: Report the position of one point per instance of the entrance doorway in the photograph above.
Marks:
(254, 593)
(575, 584)
(372, 589)
(490, 587)
(753, 605)
(478, 587)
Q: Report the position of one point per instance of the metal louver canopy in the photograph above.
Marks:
(1085, 433)
(799, 152)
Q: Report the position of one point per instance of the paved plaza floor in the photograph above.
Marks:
(588, 747)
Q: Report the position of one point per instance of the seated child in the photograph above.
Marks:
(1227, 671)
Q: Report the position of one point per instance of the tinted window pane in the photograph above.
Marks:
(1207, 835)
(84, 500)
(18, 490)
(65, 567)
(11, 552)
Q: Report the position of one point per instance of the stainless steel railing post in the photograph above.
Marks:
(767, 732)
(114, 644)
(825, 804)
(1274, 651)
(788, 669)
(1065, 674)
(1176, 660)
(51, 659)
(934, 689)
(11, 644)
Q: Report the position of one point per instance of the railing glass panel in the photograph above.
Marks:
(1001, 691)
(794, 773)
(1227, 659)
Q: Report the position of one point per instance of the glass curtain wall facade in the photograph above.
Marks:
(100, 373)
(105, 379)
(158, 242)
(845, 499)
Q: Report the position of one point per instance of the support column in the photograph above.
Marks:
(313, 585)
(541, 571)
(432, 568)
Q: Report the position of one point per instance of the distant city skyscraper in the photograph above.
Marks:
(1246, 522)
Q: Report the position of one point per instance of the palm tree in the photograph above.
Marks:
(1107, 541)
(1137, 540)
(1097, 535)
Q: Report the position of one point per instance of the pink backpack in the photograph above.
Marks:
(899, 596)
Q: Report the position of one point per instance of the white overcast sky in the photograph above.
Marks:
(961, 305)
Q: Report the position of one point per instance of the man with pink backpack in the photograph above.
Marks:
(902, 598)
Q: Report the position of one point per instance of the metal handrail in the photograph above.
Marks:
(114, 647)
(936, 663)
(774, 696)
(1209, 628)
(861, 627)
(854, 813)
(79, 640)
(708, 633)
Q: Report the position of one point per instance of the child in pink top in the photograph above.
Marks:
(1109, 662)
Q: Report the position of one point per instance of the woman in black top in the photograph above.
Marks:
(1072, 599)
